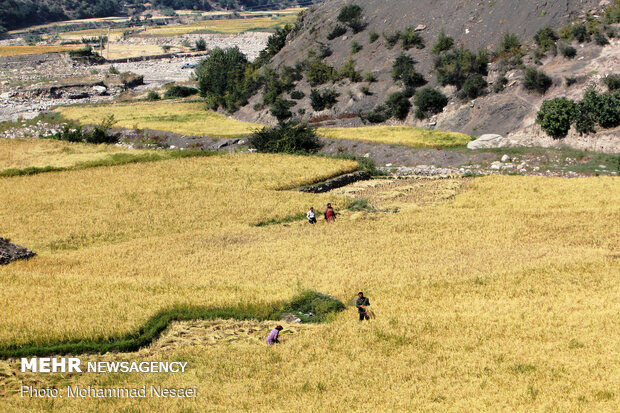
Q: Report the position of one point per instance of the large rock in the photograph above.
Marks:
(488, 141)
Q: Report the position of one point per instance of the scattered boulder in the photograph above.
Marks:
(488, 141)
(11, 252)
(506, 159)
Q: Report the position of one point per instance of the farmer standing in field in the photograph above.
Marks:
(311, 216)
(361, 303)
(330, 215)
(272, 338)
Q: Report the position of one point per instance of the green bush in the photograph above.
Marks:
(403, 70)
(577, 32)
(409, 38)
(336, 32)
(398, 105)
(351, 15)
(613, 82)
(152, 96)
(555, 117)
(612, 14)
(318, 72)
(391, 39)
(348, 71)
(370, 77)
(378, 115)
(428, 102)
(373, 36)
(545, 39)
(355, 47)
(177, 91)
(280, 108)
(98, 134)
(443, 44)
(600, 39)
(325, 100)
(297, 94)
(473, 87)
(510, 45)
(286, 138)
(500, 83)
(568, 51)
(201, 44)
(536, 81)
(456, 66)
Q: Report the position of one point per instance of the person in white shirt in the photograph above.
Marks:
(311, 216)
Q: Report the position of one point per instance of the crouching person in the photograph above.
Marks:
(272, 338)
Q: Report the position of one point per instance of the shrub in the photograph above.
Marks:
(409, 38)
(568, 51)
(348, 71)
(325, 51)
(577, 32)
(355, 47)
(179, 92)
(113, 70)
(131, 80)
(351, 15)
(454, 67)
(201, 44)
(608, 114)
(378, 115)
(336, 32)
(373, 36)
(398, 105)
(545, 39)
(98, 134)
(297, 94)
(536, 80)
(403, 69)
(286, 138)
(613, 82)
(570, 81)
(612, 14)
(600, 39)
(366, 90)
(152, 96)
(166, 48)
(429, 101)
(555, 117)
(318, 72)
(509, 45)
(370, 77)
(391, 39)
(500, 83)
(280, 108)
(325, 100)
(443, 44)
(473, 87)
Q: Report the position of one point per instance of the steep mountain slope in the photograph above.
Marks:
(472, 24)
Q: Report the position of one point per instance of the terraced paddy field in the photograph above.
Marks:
(189, 118)
(226, 26)
(27, 50)
(494, 291)
(192, 119)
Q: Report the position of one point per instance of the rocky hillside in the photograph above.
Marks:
(384, 30)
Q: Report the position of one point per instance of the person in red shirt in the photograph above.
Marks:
(330, 215)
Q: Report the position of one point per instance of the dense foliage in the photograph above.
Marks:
(456, 66)
(223, 81)
(557, 115)
(286, 138)
(428, 102)
(536, 80)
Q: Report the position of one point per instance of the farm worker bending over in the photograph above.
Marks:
(330, 215)
(311, 216)
(272, 338)
(361, 303)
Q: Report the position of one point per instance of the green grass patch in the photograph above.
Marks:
(320, 305)
(293, 218)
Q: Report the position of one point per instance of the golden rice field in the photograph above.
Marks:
(501, 294)
(399, 135)
(27, 50)
(114, 51)
(39, 153)
(188, 118)
(225, 26)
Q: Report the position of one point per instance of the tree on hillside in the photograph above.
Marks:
(222, 79)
